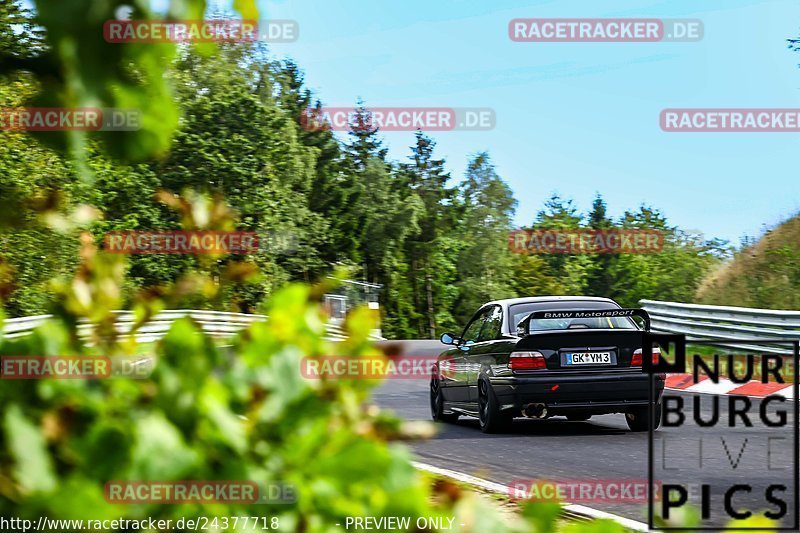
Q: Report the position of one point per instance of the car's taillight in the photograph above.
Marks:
(636, 360)
(526, 361)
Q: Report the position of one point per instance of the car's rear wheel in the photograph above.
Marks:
(489, 415)
(579, 417)
(639, 418)
(437, 403)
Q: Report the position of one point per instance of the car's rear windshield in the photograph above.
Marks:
(520, 311)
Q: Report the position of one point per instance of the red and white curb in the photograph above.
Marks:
(756, 389)
(577, 511)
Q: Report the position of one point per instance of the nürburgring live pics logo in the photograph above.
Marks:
(727, 464)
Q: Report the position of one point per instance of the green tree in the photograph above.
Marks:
(599, 280)
(429, 267)
(237, 143)
(19, 37)
(572, 271)
(485, 270)
(37, 187)
(334, 188)
(674, 274)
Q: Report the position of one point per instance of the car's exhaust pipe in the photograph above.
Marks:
(535, 410)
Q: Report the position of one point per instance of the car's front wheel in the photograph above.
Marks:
(489, 415)
(639, 419)
(437, 403)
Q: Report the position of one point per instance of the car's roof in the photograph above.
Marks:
(505, 303)
(539, 299)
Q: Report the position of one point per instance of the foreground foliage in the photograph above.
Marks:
(206, 413)
(243, 413)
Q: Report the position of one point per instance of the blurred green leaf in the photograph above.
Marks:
(160, 451)
(542, 515)
(248, 9)
(33, 467)
(755, 524)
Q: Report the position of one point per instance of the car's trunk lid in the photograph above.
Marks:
(584, 350)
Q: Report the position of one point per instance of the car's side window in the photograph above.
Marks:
(492, 324)
(473, 331)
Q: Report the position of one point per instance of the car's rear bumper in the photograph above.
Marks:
(596, 393)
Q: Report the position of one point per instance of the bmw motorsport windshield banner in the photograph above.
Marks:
(522, 327)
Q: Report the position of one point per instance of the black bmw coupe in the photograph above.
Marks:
(547, 356)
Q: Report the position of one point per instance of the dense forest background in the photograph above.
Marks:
(437, 243)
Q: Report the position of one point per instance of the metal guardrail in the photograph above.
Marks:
(723, 324)
(214, 323)
(698, 322)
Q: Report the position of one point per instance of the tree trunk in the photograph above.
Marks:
(431, 314)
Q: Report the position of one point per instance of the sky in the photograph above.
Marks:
(575, 118)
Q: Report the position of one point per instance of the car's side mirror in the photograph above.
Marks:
(449, 338)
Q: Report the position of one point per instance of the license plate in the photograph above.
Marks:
(589, 358)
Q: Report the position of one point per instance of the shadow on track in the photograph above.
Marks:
(467, 428)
